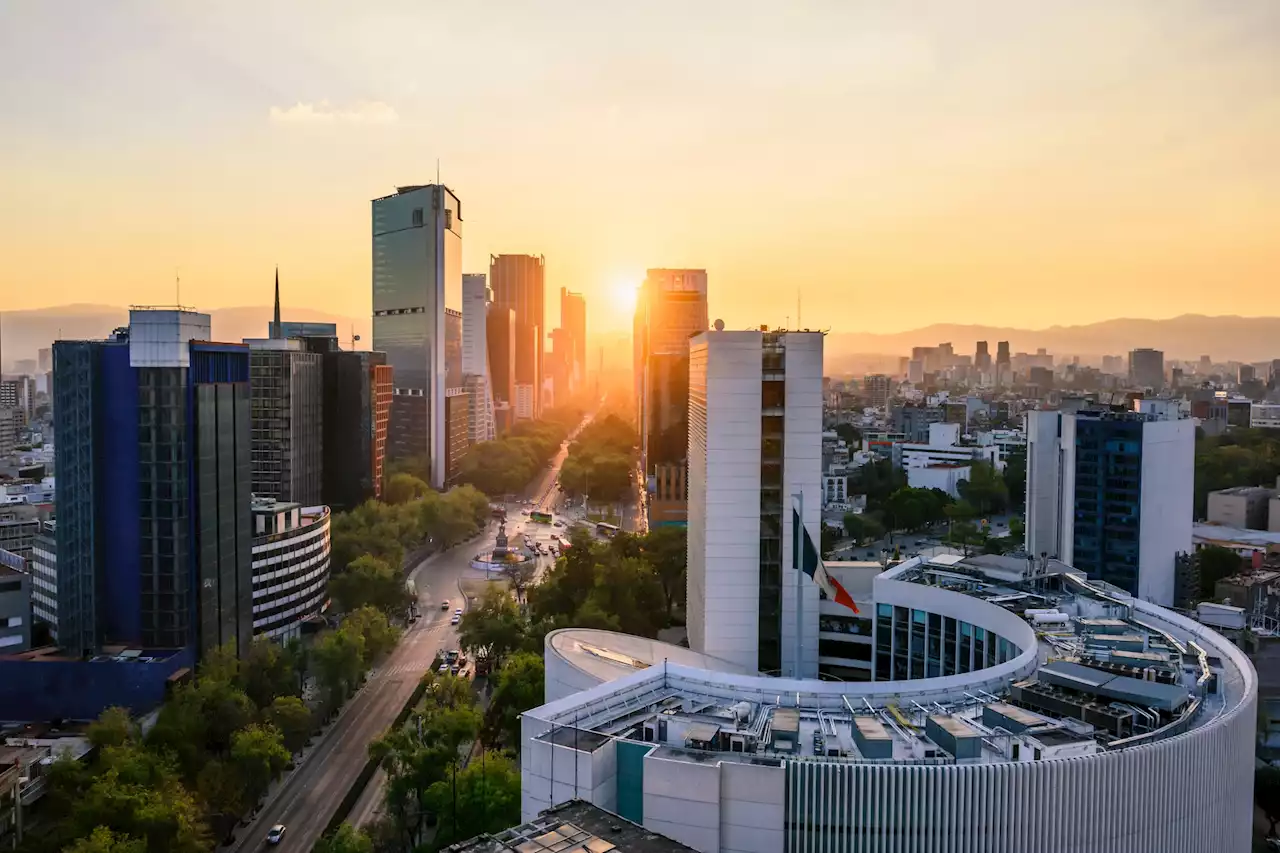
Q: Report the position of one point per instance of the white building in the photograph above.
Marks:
(990, 726)
(290, 566)
(944, 448)
(755, 440)
(417, 274)
(1111, 494)
(476, 297)
(1264, 416)
(44, 576)
(945, 476)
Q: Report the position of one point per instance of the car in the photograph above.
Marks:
(444, 667)
(524, 512)
(455, 620)
(457, 612)
(275, 834)
(444, 605)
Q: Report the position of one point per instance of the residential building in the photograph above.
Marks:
(1240, 506)
(1111, 494)
(519, 283)
(44, 359)
(1246, 373)
(990, 725)
(476, 297)
(15, 604)
(19, 392)
(877, 388)
(417, 274)
(44, 577)
(915, 371)
(755, 425)
(457, 409)
(19, 524)
(944, 447)
(154, 477)
(286, 406)
(1264, 415)
(291, 548)
(12, 422)
(1146, 368)
(914, 421)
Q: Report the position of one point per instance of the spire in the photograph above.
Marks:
(275, 325)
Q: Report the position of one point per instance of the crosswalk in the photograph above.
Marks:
(400, 669)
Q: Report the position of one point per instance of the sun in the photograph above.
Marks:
(622, 294)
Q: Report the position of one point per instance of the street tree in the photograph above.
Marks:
(379, 635)
(103, 840)
(402, 488)
(369, 581)
(291, 716)
(518, 686)
(339, 662)
(114, 727)
(483, 797)
(494, 626)
(259, 757)
(345, 839)
(666, 550)
(268, 671)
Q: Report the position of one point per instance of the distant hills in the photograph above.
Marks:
(1226, 338)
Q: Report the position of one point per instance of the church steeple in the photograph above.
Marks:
(275, 324)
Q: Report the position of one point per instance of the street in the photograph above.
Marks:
(307, 799)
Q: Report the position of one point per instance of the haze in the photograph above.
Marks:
(900, 163)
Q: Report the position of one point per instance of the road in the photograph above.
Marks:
(307, 799)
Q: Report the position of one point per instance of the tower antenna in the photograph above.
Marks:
(799, 325)
(437, 171)
(177, 288)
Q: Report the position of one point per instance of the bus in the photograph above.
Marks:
(606, 530)
(540, 517)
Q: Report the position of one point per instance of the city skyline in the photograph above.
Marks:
(1096, 179)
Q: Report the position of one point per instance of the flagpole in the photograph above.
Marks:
(797, 562)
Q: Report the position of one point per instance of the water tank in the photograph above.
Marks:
(742, 711)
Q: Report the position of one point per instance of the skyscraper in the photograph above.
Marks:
(1146, 368)
(519, 283)
(982, 358)
(286, 385)
(670, 308)
(500, 338)
(1004, 372)
(755, 441)
(573, 319)
(154, 473)
(1111, 494)
(417, 273)
(475, 357)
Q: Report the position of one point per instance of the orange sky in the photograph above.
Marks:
(900, 163)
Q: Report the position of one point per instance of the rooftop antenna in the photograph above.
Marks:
(437, 171)
(799, 325)
(177, 288)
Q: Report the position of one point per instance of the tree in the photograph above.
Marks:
(345, 839)
(1015, 476)
(369, 581)
(484, 797)
(1266, 794)
(291, 716)
(377, 633)
(403, 488)
(114, 727)
(520, 576)
(268, 671)
(165, 815)
(259, 757)
(339, 661)
(518, 686)
(985, 489)
(222, 790)
(1216, 563)
(629, 589)
(493, 626)
(860, 527)
(103, 840)
(851, 434)
(666, 550)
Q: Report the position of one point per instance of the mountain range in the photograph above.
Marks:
(1224, 338)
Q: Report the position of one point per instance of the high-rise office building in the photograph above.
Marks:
(1004, 364)
(286, 384)
(519, 283)
(475, 356)
(500, 338)
(1146, 368)
(1246, 373)
(44, 360)
(417, 274)
(573, 320)
(357, 392)
(755, 441)
(153, 489)
(671, 307)
(1111, 494)
(982, 358)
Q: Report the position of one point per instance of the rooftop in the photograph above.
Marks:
(574, 827)
(1100, 671)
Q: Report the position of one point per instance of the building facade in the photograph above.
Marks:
(500, 337)
(476, 297)
(755, 427)
(1111, 494)
(519, 284)
(286, 392)
(291, 546)
(992, 725)
(15, 604)
(1146, 368)
(153, 487)
(573, 320)
(357, 397)
(44, 577)
(417, 273)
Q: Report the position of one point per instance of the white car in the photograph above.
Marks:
(457, 612)
(276, 834)
(455, 620)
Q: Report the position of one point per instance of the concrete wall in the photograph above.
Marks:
(801, 474)
(1043, 483)
(1168, 472)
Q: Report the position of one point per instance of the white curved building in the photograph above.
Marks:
(290, 566)
(1016, 708)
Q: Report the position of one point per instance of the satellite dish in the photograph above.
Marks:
(719, 325)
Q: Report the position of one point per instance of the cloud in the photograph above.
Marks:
(362, 112)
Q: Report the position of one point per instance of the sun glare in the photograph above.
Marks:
(622, 294)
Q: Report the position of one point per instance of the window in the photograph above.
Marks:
(417, 217)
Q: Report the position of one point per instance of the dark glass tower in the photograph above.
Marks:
(155, 426)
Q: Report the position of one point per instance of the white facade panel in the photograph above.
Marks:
(682, 801)
(1168, 471)
(1044, 484)
(159, 337)
(801, 475)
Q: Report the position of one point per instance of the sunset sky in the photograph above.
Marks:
(901, 163)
